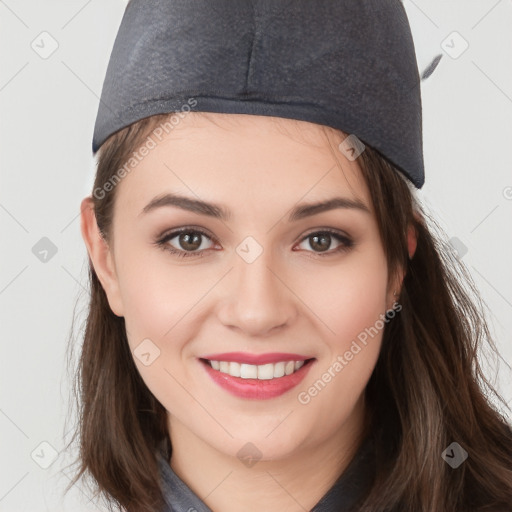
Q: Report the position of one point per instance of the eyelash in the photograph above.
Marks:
(162, 242)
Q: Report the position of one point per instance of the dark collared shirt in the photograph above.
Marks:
(346, 491)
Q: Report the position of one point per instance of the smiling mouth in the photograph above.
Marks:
(267, 371)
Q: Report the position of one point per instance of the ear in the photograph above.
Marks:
(412, 243)
(412, 240)
(100, 255)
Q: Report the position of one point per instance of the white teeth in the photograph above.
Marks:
(261, 372)
(290, 366)
(278, 369)
(248, 371)
(265, 371)
(234, 369)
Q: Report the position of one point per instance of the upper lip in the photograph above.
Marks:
(256, 359)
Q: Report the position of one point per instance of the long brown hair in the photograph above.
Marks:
(426, 391)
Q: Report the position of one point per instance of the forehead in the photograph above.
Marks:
(242, 161)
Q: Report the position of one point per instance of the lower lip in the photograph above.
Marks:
(256, 388)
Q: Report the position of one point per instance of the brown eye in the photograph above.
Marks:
(185, 242)
(321, 242)
(189, 242)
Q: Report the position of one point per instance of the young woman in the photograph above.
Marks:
(272, 324)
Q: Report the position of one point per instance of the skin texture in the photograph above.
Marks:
(290, 299)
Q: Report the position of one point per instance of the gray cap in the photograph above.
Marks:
(347, 64)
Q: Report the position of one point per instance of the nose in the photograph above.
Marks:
(257, 299)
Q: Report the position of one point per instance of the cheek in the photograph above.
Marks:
(155, 294)
(349, 298)
(150, 305)
(351, 304)
(157, 303)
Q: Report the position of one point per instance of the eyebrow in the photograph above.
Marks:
(218, 212)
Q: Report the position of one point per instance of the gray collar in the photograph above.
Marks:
(344, 494)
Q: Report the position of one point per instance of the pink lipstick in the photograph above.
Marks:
(264, 374)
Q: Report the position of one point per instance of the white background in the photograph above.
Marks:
(48, 111)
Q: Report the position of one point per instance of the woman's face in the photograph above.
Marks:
(253, 273)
